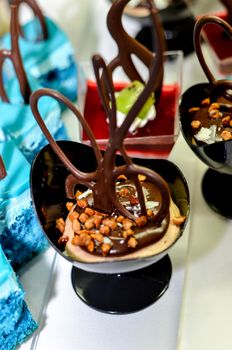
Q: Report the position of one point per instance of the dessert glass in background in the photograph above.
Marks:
(157, 138)
(177, 20)
(216, 151)
(218, 42)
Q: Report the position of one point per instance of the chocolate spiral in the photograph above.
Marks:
(37, 13)
(219, 87)
(15, 56)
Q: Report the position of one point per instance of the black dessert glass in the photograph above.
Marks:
(216, 182)
(217, 156)
(114, 287)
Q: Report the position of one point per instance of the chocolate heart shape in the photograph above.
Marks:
(218, 155)
(48, 176)
(218, 87)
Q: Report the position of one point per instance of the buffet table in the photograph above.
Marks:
(194, 313)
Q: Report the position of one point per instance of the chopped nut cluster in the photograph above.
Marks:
(92, 227)
(96, 231)
(222, 120)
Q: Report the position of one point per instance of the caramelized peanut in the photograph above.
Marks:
(60, 221)
(132, 242)
(205, 102)
(226, 135)
(105, 248)
(73, 215)
(69, 205)
(194, 109)
(78, 193)
(98, 237)
(195, 124)
(127, 233)
(89, 211)
(89, 224)
(215, 114)
(120, 218)
(141, 221)
(226, 121)
(214, 105)
(83, 217)
(142, 177)
(76, 226)
(90, 246)
(97, 220)
(110, 222)
(82, 203)
(127, 224)
(104, 230)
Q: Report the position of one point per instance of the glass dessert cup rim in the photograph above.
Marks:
(116, 266)
(168, 54)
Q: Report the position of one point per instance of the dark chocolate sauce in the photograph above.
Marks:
(151, 233)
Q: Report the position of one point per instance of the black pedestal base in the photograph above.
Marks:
(217, 191)
(123, 293)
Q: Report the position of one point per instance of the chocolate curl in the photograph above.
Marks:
(84, 178)
(37, 13)
(228, 6)
(102, 181)
(107, 94)
(15, 56)
(110, 171)
(128, 46)
(3, 172)
(219, 87)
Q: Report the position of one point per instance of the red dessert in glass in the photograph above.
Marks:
(157, 137)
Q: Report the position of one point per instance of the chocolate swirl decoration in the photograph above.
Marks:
(15, 56)
(102, 181)
(2, 169)
(127, 46)
(37, 13)
(221, 87)
(228, 6)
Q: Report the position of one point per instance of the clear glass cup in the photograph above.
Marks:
(158, 136)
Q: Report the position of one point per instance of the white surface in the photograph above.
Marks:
(195, 312)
